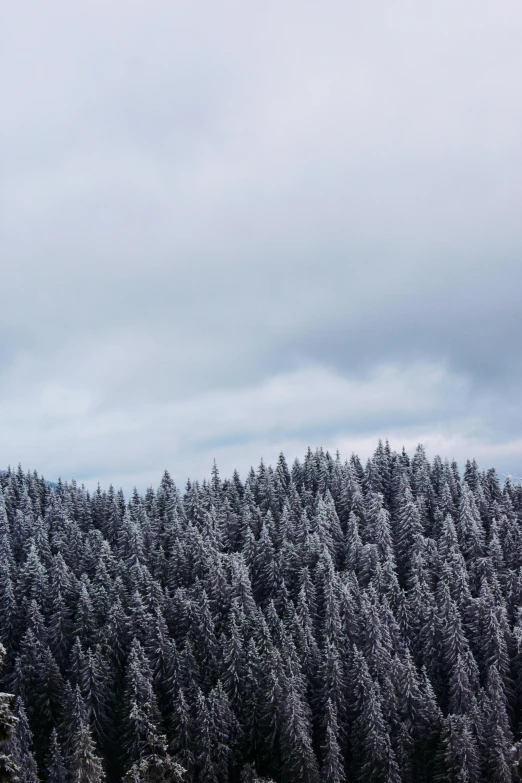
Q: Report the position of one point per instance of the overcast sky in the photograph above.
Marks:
(230, 228)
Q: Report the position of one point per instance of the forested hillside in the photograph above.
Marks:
(325, 621)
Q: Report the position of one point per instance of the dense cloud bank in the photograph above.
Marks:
(319, 622)
(230, 229)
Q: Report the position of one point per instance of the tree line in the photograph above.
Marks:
(324, 622)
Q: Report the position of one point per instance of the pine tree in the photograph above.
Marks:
(19, 747)
(182, 731)
(298, 760)
(55, 765)
(140, 717)
(332, 767)
(223, 731)
(408, 528)
(84, 765)
(374, 757)
(95, 683)
(8, 767)
(458, 756)
(249, 775)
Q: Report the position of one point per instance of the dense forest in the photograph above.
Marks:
(326, 621)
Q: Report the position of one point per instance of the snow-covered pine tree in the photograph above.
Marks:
(8, 767)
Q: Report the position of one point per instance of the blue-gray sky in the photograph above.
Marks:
(233, 228)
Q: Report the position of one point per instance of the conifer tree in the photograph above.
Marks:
(298, 759)
(8, 767)
(55, 765)
(458, 755)
(84, 764)
(19, 747)
(140, 716)
(332, 767)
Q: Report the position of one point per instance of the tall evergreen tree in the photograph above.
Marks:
(18, 748)
(8, 767)
(84, 764)
(55, 765)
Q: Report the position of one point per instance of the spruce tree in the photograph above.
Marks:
(19, 747)
(84, 764)
(332, 767)
(8, 721)
(55, 765)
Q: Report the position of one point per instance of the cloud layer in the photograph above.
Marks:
(230, 230)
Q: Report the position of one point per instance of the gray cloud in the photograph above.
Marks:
(203, 203)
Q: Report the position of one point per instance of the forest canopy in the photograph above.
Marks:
(327, 621)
